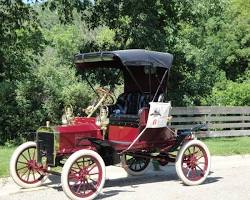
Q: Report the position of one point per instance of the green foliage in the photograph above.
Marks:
(20, 41)
(210, 41)
(51, 87)
(66, 9)
(230, 93)
(191, 30)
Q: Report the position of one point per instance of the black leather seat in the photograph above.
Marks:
(125, 111)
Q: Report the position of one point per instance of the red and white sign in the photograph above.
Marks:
(158, 114)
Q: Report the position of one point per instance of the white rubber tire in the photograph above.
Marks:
(129, 171)
(70, 161)
(178, 163)
(12, 167)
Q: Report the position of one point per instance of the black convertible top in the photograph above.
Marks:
(130, 57)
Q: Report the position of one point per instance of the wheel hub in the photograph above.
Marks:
(192, 161)
(31, 164)
(83, 175)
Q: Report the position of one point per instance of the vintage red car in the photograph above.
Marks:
(131, 131)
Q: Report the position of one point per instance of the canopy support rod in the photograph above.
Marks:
(160, 85)
(90, 84)
(150, 86)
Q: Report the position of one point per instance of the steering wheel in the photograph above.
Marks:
(109, 97)
(106, 98)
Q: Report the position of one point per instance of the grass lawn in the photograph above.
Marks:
(217, 146)
(228, 145)
(5, 154)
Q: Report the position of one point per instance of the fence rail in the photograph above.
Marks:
(220, 120)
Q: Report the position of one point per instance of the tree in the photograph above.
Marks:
(20, 42)
(207, 38)
(173, 26)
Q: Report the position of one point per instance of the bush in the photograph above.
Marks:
(231, 94)
(51, 87)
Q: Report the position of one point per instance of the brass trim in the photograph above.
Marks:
(52, 130)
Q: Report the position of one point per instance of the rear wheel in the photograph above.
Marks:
(135, 165)
(83, 175)
(24, 169)
(193, 162)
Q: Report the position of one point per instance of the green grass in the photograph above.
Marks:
(228, 145)
(5, 154)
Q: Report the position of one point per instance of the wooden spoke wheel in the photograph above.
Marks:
(135, 165)
(83, 175)
(24, 169)
(193, 162)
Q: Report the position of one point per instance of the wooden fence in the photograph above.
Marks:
(221, 120)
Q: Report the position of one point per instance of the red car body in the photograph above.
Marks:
(132, 131)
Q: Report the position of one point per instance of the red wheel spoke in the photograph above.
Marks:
(83, 161)
(85, 181)
(194, 167)
(193, 173)
(93, 188)
(38, 172)
(84, 186)
(79, 187)
(89, 161)
(24, 173)
(188, 173)
(34, 153)
(200, 168)
(74, 187)
(193, 149)
(79, 165)
(33, 175)
(25, 163)
(28, 176)
(73, 175)
(200, 157)
(21, 168)
(27, 169)
(94, 173)
(74, 170)
(29, 154)
(24, 157)
(93, 180)
(94, 165)
(195, 152)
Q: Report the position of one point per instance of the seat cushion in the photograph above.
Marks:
(124, 120)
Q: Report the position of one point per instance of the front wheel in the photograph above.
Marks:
(133, 165)
(193, 162)
(83, 175)
(24, 169)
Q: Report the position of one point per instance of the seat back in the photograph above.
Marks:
(131, 103)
